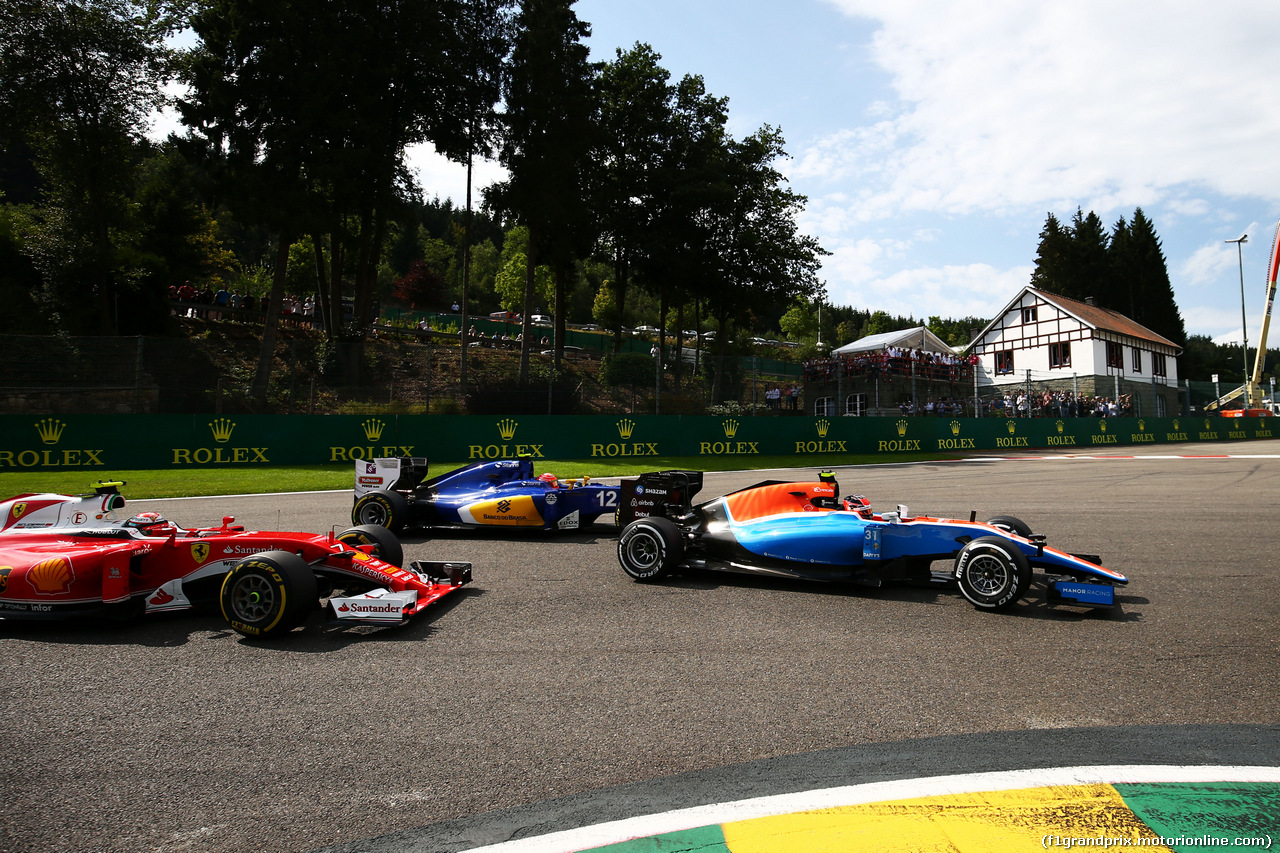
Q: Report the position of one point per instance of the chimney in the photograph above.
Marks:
(1088, 300)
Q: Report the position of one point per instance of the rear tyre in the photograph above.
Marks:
(649, 548)
(386, 546)
(385, 509)
(1011, 524)
(268, 594)
(992, 573)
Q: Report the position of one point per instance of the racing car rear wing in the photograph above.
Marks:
(667, 493)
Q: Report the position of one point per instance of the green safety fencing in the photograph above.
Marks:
(140, 442)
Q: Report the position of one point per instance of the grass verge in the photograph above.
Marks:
(195, 482)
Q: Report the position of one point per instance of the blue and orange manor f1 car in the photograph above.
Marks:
(503, 494)
(805, 530)
(68, 556)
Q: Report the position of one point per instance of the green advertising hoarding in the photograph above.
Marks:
(102, 443)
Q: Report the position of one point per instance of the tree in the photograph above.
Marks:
(548, 129)
(78, 80)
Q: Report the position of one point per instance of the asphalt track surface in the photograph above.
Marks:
(555, 693)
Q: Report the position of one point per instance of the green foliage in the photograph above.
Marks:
(628, 368)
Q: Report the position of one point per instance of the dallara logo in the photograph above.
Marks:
(50, 431)
(730, 428)
(625, 427)
(507, 429)
(373, 429)
(222, 429)
(822, 426)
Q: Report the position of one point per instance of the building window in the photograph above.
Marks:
(1029, 315)
(1137, 360)
(1157, 365)
(1115, 355)
(855, 404)
(1004, 361)
(824, 406)
(1059, 355)
(1162, 408)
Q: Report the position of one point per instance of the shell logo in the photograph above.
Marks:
(52, 576)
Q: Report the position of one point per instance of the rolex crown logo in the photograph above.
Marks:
(1011, 425)
(507, 429)
(50, 430)
(1142, 426)
(730, 428)
(955, 427)
(822, 426)
(902, 428)
(1102, 424)
(222, 429)
(1175, 425)
(373, 429)
(625, 427)
(1206, 425)
(1060, 425)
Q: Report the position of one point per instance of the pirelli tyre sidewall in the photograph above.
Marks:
(386, 548)
(649, 548)
(385, 509)
(992, 573)
(268, 594)
(1012, 524)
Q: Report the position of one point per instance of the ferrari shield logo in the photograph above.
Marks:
(18, 510)
(200, 552)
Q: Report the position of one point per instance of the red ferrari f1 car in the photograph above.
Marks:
(69, 556)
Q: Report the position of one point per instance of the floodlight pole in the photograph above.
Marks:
(1244, 324)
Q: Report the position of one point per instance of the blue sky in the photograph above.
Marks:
(933, 138)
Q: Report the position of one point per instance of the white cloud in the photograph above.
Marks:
(972, 290)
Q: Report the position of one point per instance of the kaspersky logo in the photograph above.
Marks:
(372, 430)
(626, 428)
(506, 431)
(955, 442)
(728, 448)
(220, 429)
(49, 431)
(823, 445)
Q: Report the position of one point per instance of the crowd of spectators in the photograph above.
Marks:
(1056, 404)
(940, 366)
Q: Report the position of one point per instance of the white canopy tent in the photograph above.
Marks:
(919, 338)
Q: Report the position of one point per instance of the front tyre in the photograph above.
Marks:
(1010, 523)
(649, 548)
(268, 594)
(385, 509)
(386, 546)
(992, 573)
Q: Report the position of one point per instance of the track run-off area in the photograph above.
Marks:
(558, 705)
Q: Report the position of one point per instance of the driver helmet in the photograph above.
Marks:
(858, 504)
(147, 522)
(550, 479)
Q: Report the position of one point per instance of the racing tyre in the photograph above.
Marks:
(992, 573)
(649, 548)
(1011, 524)
(385, 509)
(268, 594)
(386, 545)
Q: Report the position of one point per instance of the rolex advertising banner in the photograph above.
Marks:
(100, 444)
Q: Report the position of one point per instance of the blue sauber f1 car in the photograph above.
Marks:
(500, 494)
(807, 531)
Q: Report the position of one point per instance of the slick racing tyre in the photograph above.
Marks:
(1011, 524)
(992, 573)
(386, 545)
(649, 548)
(385, 509)
(268, 594)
